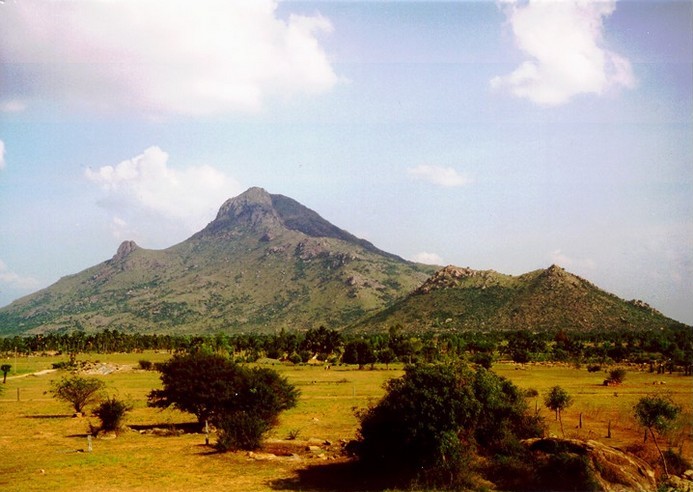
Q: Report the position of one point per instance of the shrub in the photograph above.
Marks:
(146, 365)
(239, 430)
(294, 358)
(594, 368)
(567, 471)
(111, 413)
(484, 359)
(617, 375)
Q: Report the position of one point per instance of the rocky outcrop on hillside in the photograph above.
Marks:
(452, 276)
(590, 463)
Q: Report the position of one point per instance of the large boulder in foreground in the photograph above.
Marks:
(571, 464)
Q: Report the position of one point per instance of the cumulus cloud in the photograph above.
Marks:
(564, 41)
(558, 257)
(442, 176)
(16, 281)
(428, 258)
(161, 57)
(145, 188)
(2, 154)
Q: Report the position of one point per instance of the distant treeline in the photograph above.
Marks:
(664, 350)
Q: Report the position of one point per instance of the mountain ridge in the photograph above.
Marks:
(267, 262)
(457, 298)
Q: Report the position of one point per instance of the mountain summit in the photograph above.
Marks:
(264, 263)
(267, 263)
(257, 211)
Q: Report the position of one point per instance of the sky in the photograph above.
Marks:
(506, 135)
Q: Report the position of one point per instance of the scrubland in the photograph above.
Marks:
(46, 448)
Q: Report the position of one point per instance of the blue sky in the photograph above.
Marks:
(503, 135)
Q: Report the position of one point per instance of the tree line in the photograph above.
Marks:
(667, 349)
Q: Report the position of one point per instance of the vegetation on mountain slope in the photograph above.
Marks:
(464, 299)
(268, 263)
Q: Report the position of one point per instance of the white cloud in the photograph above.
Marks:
(564, 41)
(442, 176)
(145, 192)
(161, 57)
(2, 154)
(559, 258)
(12, 106)
(428, 258)
(16, 281)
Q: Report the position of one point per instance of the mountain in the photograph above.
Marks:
(464, 299)
(264, 263)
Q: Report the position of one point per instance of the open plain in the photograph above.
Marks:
(46, 448)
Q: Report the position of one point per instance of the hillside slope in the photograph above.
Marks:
(552, 299)
(264, 263)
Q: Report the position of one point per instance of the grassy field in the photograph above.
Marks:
(44, 448)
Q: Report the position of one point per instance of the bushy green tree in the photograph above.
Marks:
(358, 352)
(217, 390)
(656, 412)
(78, 391)
(430, 421)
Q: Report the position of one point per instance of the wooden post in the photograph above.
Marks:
(89, 448)
(580, 420)
(206, 432)
(608, 432)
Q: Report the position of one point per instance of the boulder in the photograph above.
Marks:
(606, 468)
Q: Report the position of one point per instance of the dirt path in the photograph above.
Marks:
(38, 373)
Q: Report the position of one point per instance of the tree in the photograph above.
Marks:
(358, 352)
(558, 400)
(656, 412)
(111, 413)
(78, 391)
(218, 391)
(425, 428)
(387, 356)
(5, 368)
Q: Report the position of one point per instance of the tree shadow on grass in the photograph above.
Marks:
(63, 416)
(343, 476)
(182, 428)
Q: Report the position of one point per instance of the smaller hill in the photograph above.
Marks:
(552, 299)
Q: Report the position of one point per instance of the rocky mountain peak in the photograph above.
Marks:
(556, 276)
(268, 214)
(124, 250)
(446, 277)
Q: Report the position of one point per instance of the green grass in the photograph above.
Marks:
(45, 448)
